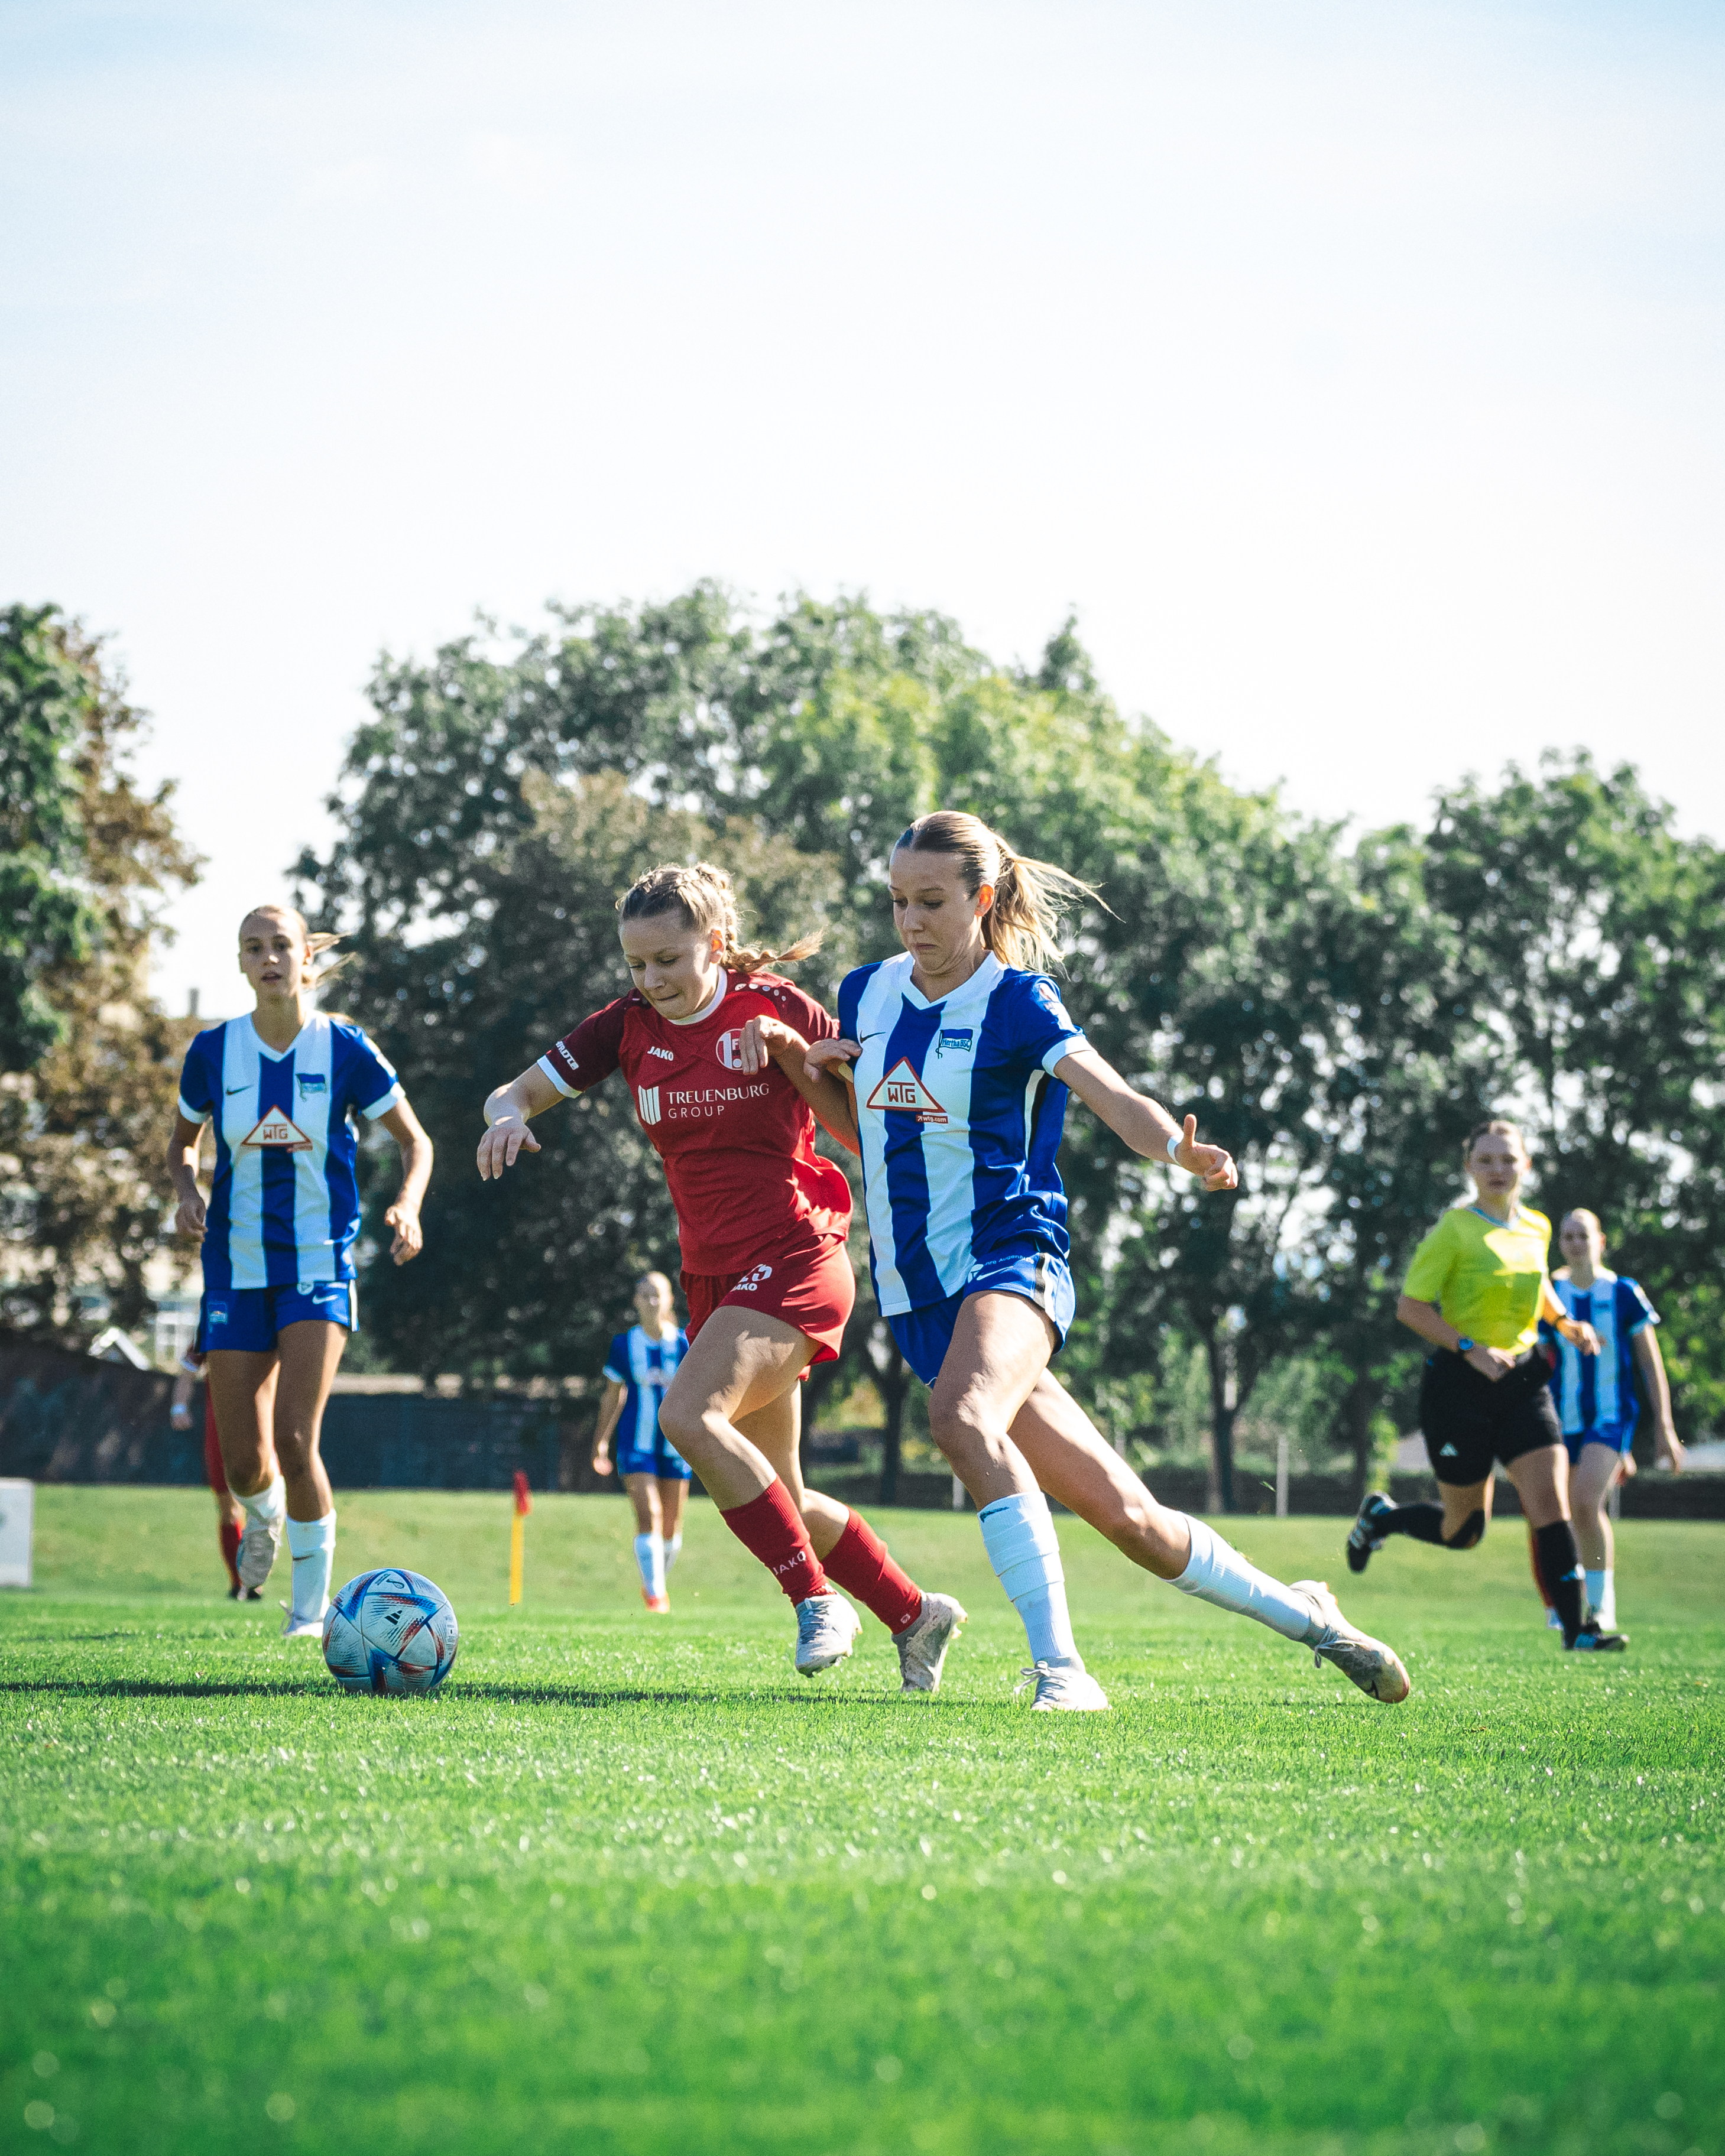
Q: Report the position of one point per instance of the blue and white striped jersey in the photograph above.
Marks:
(1598, 1392)
(285, 1206)
(960, 1120)
(645, 1367)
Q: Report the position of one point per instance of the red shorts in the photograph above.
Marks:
(215, 1474)
(811, 1287)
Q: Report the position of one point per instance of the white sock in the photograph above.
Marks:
(1602, 1596)
(311, 1544)
(269, 1505)
(673, 1551)
(650, 1558)
(1019, 1538)
(1216, 1573)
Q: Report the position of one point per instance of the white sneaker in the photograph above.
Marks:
(294, 1627)
(259, 1546)
(827, 1627)
(923, 1646)
(1376, 1669)
(1059, 1687)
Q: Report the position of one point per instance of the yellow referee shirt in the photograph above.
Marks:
(1488, 1280)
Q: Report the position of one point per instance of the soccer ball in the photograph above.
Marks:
(390, 1631)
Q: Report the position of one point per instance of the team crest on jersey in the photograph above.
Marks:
(648, 1096)
(728, 1048)
(310, 1081)
(955, 1041)
(278, 1133)
(902, 1090)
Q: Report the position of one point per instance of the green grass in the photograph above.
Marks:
(630, 1884)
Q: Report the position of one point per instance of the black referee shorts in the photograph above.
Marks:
(1469, 1422)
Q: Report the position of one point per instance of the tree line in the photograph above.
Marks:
(1337, 1008)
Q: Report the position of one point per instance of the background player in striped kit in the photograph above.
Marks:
(708, 1039)
(1597, 1398)
(639, 1366)
(960, 1056)
(281, 1087)
(229, 1517)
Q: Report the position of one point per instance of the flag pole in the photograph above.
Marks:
(518, 1537)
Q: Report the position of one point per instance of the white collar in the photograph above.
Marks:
(281, 1055)
(983, 977)
(708, 1008)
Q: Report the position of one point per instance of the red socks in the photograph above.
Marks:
(230, 1551)
(770, 1528)
(857, 1561)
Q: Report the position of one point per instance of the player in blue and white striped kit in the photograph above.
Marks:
(281, 1088)
(962, 1055)
(639, 1365)
(1597, 1396)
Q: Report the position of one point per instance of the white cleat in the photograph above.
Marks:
(1376, 1669)
(923, 1646)
(295, 1627)
(827, 1627)
(259, 1547)
(1061, 1688)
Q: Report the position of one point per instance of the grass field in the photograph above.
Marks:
(630, 1885)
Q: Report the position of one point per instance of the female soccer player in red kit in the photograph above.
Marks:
(701, 1039)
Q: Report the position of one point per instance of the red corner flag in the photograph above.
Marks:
(523, 1495)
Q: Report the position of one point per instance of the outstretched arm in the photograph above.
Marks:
(1140, 1122)
(832, 1102)
(506, 1113)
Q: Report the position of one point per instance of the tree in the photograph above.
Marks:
(46, 921)
(82, 1130)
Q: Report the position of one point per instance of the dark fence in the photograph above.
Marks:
(65, 1417)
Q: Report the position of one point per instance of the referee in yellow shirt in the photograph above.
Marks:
(1476, 1291)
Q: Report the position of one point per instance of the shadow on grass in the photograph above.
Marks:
(569, 1696)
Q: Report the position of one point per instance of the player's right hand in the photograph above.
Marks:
(502, 1141)
(834, 1055)
(188, 1220)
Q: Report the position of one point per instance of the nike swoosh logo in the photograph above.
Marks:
(232, 1090)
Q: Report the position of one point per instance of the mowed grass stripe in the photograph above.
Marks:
(629, 1884)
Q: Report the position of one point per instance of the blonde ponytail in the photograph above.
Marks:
(1030, 895)
(702, 897)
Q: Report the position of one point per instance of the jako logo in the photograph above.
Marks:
(648, 1095)
(663, 1054)
(728, 1048)
(758, 1278)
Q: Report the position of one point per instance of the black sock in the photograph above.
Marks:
(1424, 1523)
(1560, 1568)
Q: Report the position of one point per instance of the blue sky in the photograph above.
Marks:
(1354, 370)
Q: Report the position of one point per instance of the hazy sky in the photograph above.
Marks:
(1355, 370)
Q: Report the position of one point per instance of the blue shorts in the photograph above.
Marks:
(249, 1318)
(663, 1460)
(1616, 1436)
(924, 1336)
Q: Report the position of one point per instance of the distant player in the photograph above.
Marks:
(1476, 1293)
(964, 1056)
(282, 1087)
(762, 1221)
(638, 1367)
(229, 1517)
(1598, 1400)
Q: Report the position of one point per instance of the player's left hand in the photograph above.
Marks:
(1214, 1166)
(765, 1040)
(409, 1236)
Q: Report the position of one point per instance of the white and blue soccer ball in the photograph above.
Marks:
(390, 1631)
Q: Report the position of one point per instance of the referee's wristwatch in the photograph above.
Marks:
(1464, 1346)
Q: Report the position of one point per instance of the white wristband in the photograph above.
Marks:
(1175, 1139)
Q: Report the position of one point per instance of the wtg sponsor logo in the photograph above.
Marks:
(902, 1090)
(278, 1133)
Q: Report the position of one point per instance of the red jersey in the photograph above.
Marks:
(738, 1148)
